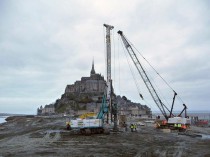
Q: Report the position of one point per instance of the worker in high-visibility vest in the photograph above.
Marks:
(179, 125)
(132, 127)
(175, 125)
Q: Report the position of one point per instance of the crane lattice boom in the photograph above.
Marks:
(144, 76)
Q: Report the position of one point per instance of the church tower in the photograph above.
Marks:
(92, 72)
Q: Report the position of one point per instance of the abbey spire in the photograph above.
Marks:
(92, 70)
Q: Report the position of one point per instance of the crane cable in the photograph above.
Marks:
(119, 66)
(135, 80)
(154, 69)
(149, 77)
(133, 75)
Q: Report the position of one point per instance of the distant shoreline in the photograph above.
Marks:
(12, 114)
(3, 119)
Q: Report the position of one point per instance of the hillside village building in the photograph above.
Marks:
(48, 109)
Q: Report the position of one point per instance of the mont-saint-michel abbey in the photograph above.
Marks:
(93, 84)
(85, 95)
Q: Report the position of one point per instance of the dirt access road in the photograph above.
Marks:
(42, 136)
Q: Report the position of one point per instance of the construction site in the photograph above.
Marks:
(107, 133)
(47, 136)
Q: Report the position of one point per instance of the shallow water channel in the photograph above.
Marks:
(2, 119)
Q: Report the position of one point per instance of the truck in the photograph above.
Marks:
(171, 121)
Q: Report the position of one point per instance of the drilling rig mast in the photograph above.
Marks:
(112, 109)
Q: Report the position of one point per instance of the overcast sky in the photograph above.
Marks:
(47, 44)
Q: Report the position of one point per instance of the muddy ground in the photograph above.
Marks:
(44, 136)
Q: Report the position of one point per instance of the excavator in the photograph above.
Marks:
(87, 125)
(171, 121)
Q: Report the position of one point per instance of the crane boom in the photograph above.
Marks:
(144, 76)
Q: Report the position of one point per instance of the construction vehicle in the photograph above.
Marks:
(89, 115)
(104, 120)
(90, 125)
(171, 121)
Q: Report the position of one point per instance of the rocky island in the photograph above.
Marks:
(85, 95)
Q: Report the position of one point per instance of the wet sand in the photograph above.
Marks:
(45, 136)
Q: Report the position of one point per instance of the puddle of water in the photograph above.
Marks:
(205, 136)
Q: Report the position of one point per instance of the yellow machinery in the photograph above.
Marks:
(86, 115)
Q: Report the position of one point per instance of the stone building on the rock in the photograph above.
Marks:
(93, 84)
(47, 110)
(86, 95)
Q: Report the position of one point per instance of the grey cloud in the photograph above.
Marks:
(45, 45)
